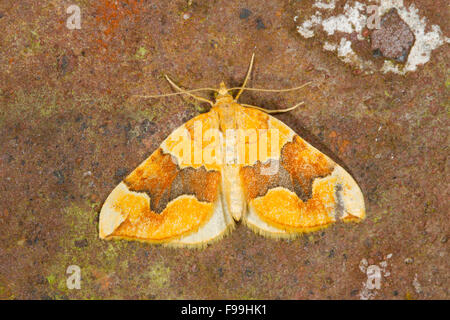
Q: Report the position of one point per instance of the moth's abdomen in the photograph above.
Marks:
(233, 193)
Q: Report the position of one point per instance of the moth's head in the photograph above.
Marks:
(223, 93)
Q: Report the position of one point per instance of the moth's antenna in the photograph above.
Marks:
(173, 94)
(246, 77)
(273, 111)
(187, 92)
(273, 90)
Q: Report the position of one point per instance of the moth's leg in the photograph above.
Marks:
(186, 92)
(246, 78)
(273, 111)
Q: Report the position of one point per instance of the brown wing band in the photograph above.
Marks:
(299, 167)
(163, 181)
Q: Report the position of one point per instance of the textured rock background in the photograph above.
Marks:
(394, 38)
(70, 130)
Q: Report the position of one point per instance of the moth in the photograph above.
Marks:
(235, 163)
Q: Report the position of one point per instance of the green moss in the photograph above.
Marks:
(48, 110)
(98, 261)
(150, 113)
(34, 44)
(5, 293)
(159, 276)
(251, 293)
(201, 107)
(51, 279)
(376, 219)
(40, 102)
(141, 53)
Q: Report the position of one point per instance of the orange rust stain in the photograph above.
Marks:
(103, 279)
(111, 12)
(109, 15)
(102, 43)
(343, 146)
(281, 208)
(178, 218)
(332, 134)
(304, 163)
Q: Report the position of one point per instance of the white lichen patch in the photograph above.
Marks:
(345, 52)
(352, 20)
(328, 5)
(305, 29)
(355, 18)
(329, 46)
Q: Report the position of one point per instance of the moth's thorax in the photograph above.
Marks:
(227, 110)
(222, 100)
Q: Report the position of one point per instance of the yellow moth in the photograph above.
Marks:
(233, 163)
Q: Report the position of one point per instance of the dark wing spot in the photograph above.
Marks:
(339, 201)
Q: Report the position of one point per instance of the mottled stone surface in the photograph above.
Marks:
(394, 38)
(70, 129)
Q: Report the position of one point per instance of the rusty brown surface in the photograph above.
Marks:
(70, 131)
